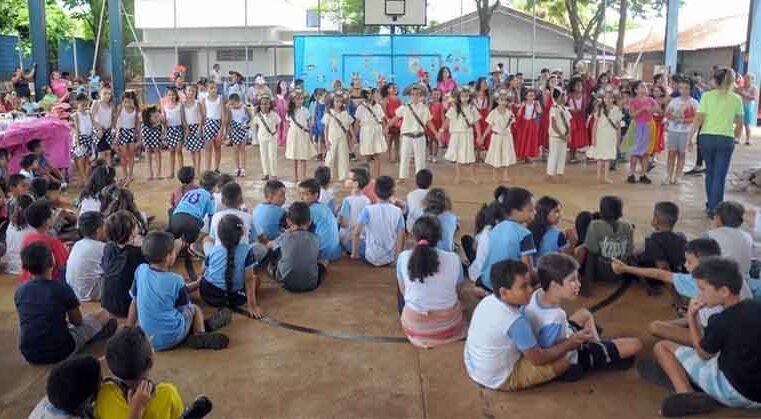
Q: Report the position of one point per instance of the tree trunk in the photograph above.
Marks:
(619, 64)
(595, 38)
(485, 13)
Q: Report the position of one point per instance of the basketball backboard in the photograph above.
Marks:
(395, 12)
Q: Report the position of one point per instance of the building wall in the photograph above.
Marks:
(218, 35)
(161, 61)
(702, 61)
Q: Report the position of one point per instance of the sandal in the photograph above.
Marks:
(200, 408)
(685, 404)
(218, 320)
(214, 341)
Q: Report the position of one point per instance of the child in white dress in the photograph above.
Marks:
(298, 145)
(266, 122)
(338, 132)
(501, 152)
(461, 118)
(370, 120)
(560, 131)
(83, 137)
(606, 134)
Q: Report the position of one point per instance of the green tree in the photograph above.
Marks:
(349, 14)
(485, 12)
(15, 21)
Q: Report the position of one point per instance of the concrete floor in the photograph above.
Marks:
(270, 372)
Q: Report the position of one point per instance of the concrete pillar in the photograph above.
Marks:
(672, 34)
(754, 41)
(116, 45)
(38, 36)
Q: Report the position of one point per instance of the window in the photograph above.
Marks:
(232, 54)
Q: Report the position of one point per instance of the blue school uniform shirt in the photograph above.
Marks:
(215, 265)
(326, 228)
(448, 229)
(553, 241)
(382, 222)
(158, 296)
(198, 203)
(266, 220)
(508, 240)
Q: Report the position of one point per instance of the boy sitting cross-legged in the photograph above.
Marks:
(725, 358)
(501, 351)
(559, 279)
(161, 304)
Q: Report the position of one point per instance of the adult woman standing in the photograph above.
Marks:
(21, 80)
(720, 121)
(444, 81)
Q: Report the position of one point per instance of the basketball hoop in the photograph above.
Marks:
(395, 8)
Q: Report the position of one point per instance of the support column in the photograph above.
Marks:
(672, 35)
(754, 53)
(38, 36)
(116, 45)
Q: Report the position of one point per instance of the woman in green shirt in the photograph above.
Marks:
(720, 121)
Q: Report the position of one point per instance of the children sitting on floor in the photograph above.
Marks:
(161, 303)
(547, 236)
(100, 178)
(40, 217)
(684, 285)
(51, 325)
(17, 185)
(229, 279)
(607, 238)
(383, 225)
(268, 215)
(187, 176)
(298, 267)
(130, 358)
(723, 362)
(429, 280)
(232, 199)
(84, 272)
(351, 207)
(18, 229)
(327, 195)
(325, 224)
(734, 243)
(438, 203)
(476, 248)
(29, 166)
(423, 180)
(559, 280)
(501, 351)
(664, 249)
(120, 261)
(46, 170)
(71, 388)
(188, 216)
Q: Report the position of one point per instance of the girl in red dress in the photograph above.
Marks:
(483, 106)
(577, 104)
(390, 103)
(544, 120)
(436, 107)
(527, 141)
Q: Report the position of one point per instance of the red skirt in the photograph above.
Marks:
(544, 124)
(659, 134)
(579, 131)
(484, 127)
(527, 140)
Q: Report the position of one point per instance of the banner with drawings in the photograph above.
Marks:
(321, 59)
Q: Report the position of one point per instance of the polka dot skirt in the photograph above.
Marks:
(237, 132)
(211, 129)
(152, 137)
(173, 136)
(127, 136)
(193, 142)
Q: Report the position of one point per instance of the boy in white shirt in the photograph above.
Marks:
(501, 351)
(351, 207)
(83, 269)
(416, 117)
(735, 243)
(423, 180)
(232, 200)
(383, 224)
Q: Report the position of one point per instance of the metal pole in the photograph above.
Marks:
(97, 37)
(74, 51)
(533, 40)
(142, 53)
(754, 55)
(245, 36)
(39, 40)
(319, 16)
(117, 46)
(672, 35)
(174, 31)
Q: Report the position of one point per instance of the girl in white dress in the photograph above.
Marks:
(127, 123)
(173, 118)
(212, 109)
(338, 132)
(461, 119)
(266, 122)
(370, 120)
(501, 152)
(191, 110)
(606, 134)
(298, 145)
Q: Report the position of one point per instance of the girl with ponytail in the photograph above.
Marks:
(429, 280)
(229, 279)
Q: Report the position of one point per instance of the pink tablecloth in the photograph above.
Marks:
(54, 133)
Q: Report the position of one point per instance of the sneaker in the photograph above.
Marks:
(214, 341)
(218, 320)
(199, 409)
(685, 404)
(108, 330)
(644, 179)
(631, 179)
(695, 171)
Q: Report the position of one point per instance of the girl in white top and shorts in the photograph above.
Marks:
(191, 111)
(173, 118)
(102, 112)
(127, 123)
(212, 108)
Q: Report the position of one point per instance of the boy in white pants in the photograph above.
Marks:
(266, 122)
(415, 119)
(560, 130)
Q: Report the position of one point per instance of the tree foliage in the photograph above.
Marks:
(349, 14)
(15, 21)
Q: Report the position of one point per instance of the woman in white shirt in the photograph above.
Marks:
(14, 236)
(429, 280)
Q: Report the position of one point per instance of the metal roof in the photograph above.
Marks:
(211, 44)
(722, 32)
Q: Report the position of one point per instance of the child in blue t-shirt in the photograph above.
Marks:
(327, 197)
(52, 327)
(510, 239)
(268, 215)
(438, 203)
(323, 220)
(383, 225)
(161, 303)
(188, 216)
(229, 279)
(352, 205)
(547, 237)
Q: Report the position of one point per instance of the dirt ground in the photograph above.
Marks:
(271, 372)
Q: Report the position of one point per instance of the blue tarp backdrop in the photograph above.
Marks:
(321, 59)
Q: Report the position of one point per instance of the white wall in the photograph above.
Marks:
(218, 13)
(158, 62)
(216, 35)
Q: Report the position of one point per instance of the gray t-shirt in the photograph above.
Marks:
(610, 240)
(297, 268)
(45, 410)
(735, 244)
(84, 272)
